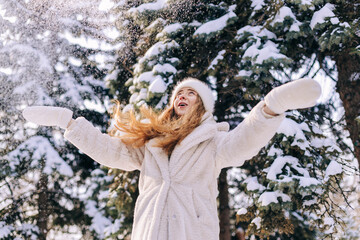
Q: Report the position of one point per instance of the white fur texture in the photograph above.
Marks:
(177, 198)
(201, 88)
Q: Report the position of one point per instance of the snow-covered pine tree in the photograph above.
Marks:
(52, 53)
(288, 33)
(292, 181)
(335, 27)
(242, 49)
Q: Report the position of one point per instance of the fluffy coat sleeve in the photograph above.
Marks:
(106, 150)
(246, 140)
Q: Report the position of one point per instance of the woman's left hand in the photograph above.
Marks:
(302, 93)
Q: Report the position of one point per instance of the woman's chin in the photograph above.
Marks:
(181, 111)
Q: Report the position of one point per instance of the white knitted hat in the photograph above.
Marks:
(201, 88)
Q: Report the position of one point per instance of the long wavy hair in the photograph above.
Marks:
(167, 127)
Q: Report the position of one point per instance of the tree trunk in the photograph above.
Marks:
(348, 86)
(224, 209)
(43, 207)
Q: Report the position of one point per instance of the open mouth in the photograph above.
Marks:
(182, 104)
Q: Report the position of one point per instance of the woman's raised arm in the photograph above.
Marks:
(107, 150)
(246, 140)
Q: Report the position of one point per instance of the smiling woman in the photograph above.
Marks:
(180, 153)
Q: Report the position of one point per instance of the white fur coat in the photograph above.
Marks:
(177, 198)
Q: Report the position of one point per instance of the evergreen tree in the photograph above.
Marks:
(243, 49)
(310, 34)
(50, 53)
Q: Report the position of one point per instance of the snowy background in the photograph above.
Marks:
(83, 54)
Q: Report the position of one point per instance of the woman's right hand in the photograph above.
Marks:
(48, 116)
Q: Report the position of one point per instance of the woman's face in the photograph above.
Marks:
(185, 99)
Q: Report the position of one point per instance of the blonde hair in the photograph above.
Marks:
(167, 127)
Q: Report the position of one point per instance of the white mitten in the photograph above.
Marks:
(48, 116)
(302, 93)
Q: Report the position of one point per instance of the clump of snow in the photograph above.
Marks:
(275, 151)
(257, 4)
(106, 5)
(172, 27)
(242, 211)
(138, 96)
(27, 228)
(163, 101)
(326, 12)
(98, 223)
(195, 23)
(72, 88)
(5, 230)
(113, 228)
(215, 25)
(166, 68)
(75, 61)
(158, 21)
(307, 181)
(289, 127)
(325, 142)
(319, 16)
(156, 80)
(158, 85)
(309, 202)
(252, 184)
(244, 73)
(112, 75)
(144, 77)
(282, 14)
(356, 75)
(217, 59)
(169, 29)
(257, 31)
(329, 222)
(257, 222)
(158, 48)
(280, 163)
(306, 2)
(272, 197)
(97, 172)
(262, 53)
(152, 6)
(316, 130)
(334, 168)
(132, 99)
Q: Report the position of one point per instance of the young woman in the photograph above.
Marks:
(180, 153)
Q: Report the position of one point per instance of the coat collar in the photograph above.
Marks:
(203, 132)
